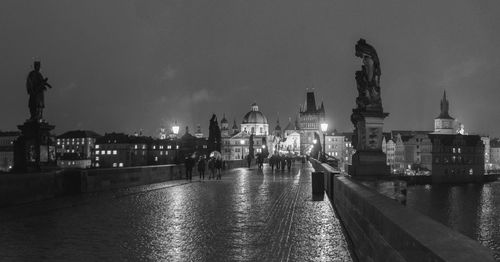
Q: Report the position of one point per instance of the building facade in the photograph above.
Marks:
(454, 156)
(7, 149)
(74, 149)
(236, 146)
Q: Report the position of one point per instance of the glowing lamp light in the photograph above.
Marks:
(324, 127)
(315, 141)
(242, 142)
(175, 128)
(263, 146)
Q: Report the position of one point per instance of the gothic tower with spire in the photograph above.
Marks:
(444, 123)
(310, 118)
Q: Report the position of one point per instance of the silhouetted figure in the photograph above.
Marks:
(36, 85)
(218, 167)
(272, 161)
(189, 164)
(249, 160)
(260, 161)
(201, 167)
(211, 167)
(283, 163)
(289, 163)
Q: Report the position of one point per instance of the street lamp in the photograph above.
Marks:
(324, 128)
(175, 129)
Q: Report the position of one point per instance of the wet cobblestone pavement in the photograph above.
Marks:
(249, 215)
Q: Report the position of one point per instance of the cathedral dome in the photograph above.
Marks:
(254, 116)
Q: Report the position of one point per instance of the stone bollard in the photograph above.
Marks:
(318, 185)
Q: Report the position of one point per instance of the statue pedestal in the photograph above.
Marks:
(34, 150)
(369, 160)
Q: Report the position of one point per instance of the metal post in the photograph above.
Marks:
(324, 147)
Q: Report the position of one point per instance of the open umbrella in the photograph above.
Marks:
(216, 155)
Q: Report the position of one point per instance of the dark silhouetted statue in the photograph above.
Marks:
(36, 85)
(368, 78)
(368, 117)
(214, 135)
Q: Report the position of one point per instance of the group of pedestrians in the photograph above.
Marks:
(281, 162)
(214, 167)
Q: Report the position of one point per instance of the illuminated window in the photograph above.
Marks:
(459, 150)
(161, 147)
(96, 158)
(143, 146)
(177, 147)
(120, 165)
(166, 152)
(115, 152)
(103, 152)
(454, 150)
(109, 152)
(161, 153)
(96, 164)
(169, 147)
(135, 146)
(156, 158)
(115, 165)
(154, 147)
(471, 171)
(96, 146)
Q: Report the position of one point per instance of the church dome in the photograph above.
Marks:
(254, 116)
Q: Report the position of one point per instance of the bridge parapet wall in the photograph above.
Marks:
(381, 229)
(20, 188)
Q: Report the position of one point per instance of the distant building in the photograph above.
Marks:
(290, 139)
(198, 133)
(412, 150)
(224, 127)
(310, 118)
(7, 149)
(121, 150)
(454, 156)
(487, 152)
(495, 154)
(457, 155)
(237, 146)
(74, 149)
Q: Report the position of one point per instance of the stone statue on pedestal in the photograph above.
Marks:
(368, 116)
(36, 85)
(34, 149)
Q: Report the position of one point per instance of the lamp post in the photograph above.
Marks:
(175, 130)
(324, 128)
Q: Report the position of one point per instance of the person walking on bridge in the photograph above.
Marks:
(201, 167)
(211, 167)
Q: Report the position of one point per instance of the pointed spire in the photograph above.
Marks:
(444, 114)
(224, 120)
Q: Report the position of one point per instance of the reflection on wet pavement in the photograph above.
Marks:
(249, 215)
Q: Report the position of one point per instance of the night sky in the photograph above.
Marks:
(130, 65)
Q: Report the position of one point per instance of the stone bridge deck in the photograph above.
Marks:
(249, 215)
